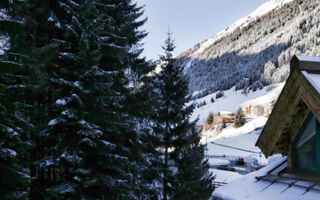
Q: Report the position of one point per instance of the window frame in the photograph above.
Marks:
(317, 146)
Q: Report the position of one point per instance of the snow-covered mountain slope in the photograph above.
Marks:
(233, 99)
(255, 51)
(262, 10)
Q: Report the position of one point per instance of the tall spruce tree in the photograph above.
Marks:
(97, 152)
(184, 173)
(76, 100)
(33, 46)
(13, 142)
(14, 137)
(79, 75)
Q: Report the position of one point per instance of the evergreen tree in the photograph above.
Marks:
(219, 94)
(13, 141)
(176, 135)
(31, 89)
(98, 151)
(240, 119)
(76, 101)
(82, 62)
(13, 146)
(224, 124)
(204, 103)
(14, 137)
(210, 118)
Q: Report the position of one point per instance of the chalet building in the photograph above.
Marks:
(293, 129)
(227, 116)
(258, 109)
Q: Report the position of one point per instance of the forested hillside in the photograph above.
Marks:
(255, 52)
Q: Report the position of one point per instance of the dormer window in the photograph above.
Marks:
(287, 130)
(305, 151)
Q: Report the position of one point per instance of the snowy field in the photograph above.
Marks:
(232, 100)
(224, 176)
(246, 187)
(243, 138)
(232, 143)
(246, 142)
(230, 131)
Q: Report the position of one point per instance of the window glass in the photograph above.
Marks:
(308, 133)
(304, 149)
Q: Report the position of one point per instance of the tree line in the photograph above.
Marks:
(257, 54)
(76, 122)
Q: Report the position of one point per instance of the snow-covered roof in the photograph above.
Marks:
(305, 63)
(313, 78)
(224, 112)
(269, 182)
(224, 176)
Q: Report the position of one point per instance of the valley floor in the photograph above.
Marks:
(225, 148)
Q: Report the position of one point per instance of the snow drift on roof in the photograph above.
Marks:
(267, 184)
(314, 79)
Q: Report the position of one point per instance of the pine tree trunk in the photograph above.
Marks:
(33, 172)
(165, 181)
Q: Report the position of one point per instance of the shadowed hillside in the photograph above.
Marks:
(256, 53)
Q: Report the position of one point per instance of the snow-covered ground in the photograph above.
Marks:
(224, 147)
(224, 176)
(218, 162)
(245, 187)
(230, 131)
(232, 100)
(245, 142)
(244, 137)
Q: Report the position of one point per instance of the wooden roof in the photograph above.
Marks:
(286, 183)
(275, 181)
(299, 96)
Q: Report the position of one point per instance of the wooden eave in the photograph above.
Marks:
(297, 90)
